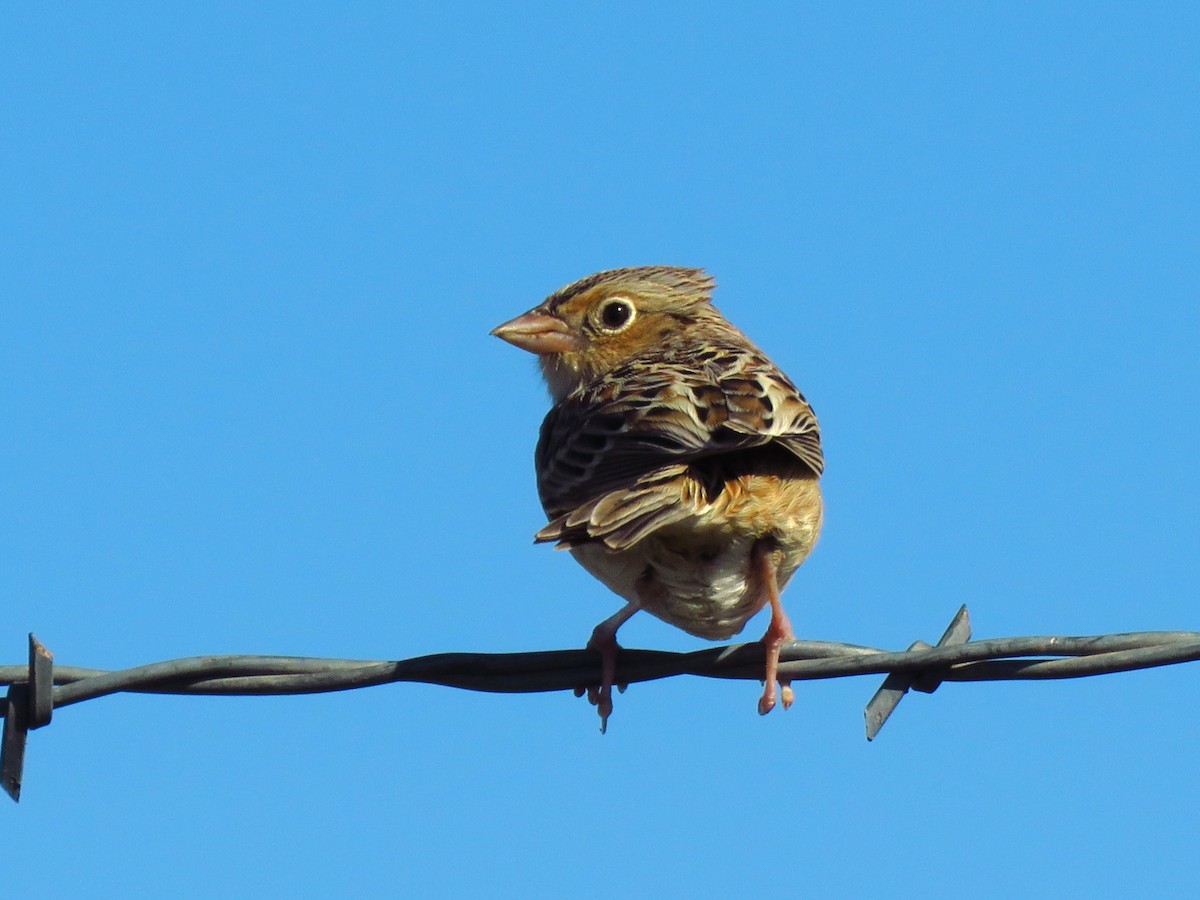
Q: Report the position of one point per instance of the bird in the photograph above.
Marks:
(678, 464)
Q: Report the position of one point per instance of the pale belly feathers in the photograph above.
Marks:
(696, 575)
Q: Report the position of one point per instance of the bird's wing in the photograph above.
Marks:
(612, 456)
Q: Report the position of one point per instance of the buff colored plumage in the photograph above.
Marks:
(679, 465)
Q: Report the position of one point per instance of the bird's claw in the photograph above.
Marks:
(766, 702)
(601, 698)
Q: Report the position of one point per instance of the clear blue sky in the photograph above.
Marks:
(249, 258)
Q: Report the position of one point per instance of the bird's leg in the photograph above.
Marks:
(604, 642)
(765, 558)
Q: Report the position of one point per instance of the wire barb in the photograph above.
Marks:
(27, 705)
(36, 689)
(897, 684)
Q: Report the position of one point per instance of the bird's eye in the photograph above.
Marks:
(615, 315)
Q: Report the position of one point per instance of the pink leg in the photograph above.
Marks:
(765, 558)
(604, 642)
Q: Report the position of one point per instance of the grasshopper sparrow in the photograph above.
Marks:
(679, 465)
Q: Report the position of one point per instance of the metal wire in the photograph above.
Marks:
(34, 690)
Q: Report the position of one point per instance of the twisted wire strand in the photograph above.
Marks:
(996, 659)
(36, 689)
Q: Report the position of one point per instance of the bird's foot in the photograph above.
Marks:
(600, 695)
(778, 633)
(604, 642)
(774, 640)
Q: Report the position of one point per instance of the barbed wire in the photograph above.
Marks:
(35, 690)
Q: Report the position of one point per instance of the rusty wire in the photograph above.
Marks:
(36, 689)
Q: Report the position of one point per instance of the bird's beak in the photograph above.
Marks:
(539, 332)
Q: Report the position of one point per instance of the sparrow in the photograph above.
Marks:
(678, 464)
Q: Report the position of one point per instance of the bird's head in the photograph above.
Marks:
(592, 326)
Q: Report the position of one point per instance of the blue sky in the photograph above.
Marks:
(249, 261)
